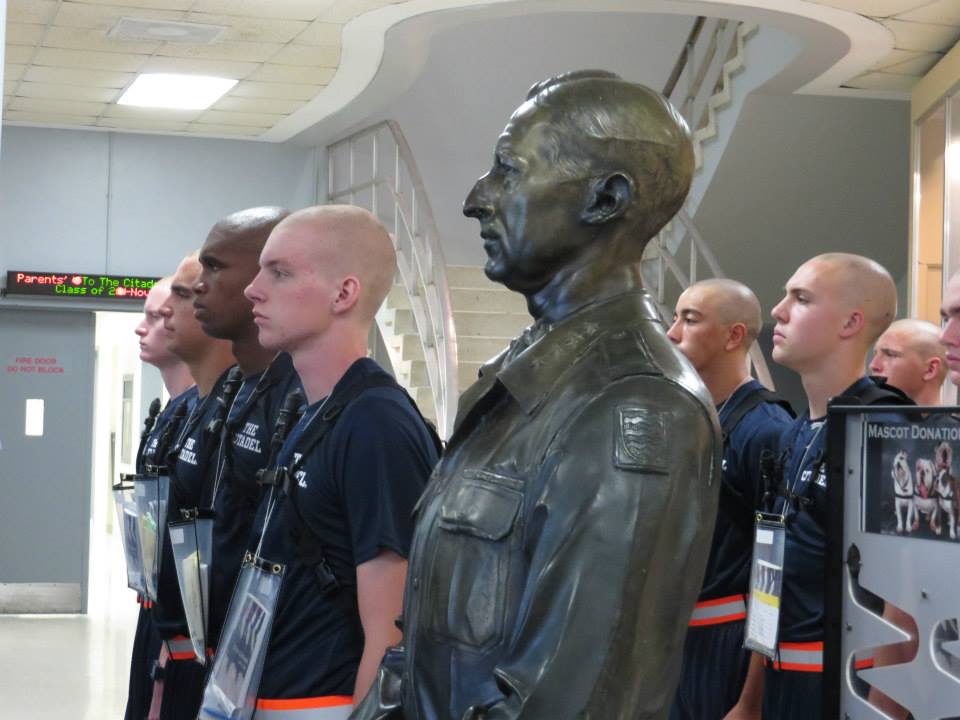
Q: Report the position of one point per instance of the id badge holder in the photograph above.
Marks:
(151, 493)
(231, 689)
(123, 498)
(766, 585)
(191, 540)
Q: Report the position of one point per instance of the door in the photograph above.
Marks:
(46, 397)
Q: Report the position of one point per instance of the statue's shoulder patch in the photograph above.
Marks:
(641, 440)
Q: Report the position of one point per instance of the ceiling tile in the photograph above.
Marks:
(197, 66)
(343, 11)
(97, 78)
(258, 105)
(167, 4)
(280, 91)
(873, 8)
(245, 29)
(62, 107)
(298, 74)
(24, 33)
(95, 40)
(923, 36)
(104, 17)
(280, 9)
(142, 124)
(117, 62)
(942, 12)
(219, 117)
(895, 57)
(237, 51)
(882, 81)
(131, 112)
(321, 33)
(13, 71)
(19, 54)
(225, 130)
(48, 118)
(313, 55)
(67, 92)
(30, 11)
(918, 66)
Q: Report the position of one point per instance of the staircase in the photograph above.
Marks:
(486, 315)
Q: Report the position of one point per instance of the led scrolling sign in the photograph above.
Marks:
(78, 285)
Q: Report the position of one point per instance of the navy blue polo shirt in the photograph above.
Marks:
(728, 568)
(249, 427)
(150, 447)
(193, 457)
(356, 492)
(802, 604)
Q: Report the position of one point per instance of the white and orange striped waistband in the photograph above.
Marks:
(327, 707)
(718, 611)
(799, 657)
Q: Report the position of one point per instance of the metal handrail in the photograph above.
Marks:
(702, 62)
(420, 260)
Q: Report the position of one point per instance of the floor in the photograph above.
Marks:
(72, 666)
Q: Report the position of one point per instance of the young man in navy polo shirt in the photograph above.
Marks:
(715, 323)
(324, 273)
(836, 306)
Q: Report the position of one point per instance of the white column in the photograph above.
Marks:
(3, 46)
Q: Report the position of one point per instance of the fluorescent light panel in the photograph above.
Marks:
(181, 92)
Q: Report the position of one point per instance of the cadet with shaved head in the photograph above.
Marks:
(338, 518)
(911, 357)
(715, 323)
(836, 306)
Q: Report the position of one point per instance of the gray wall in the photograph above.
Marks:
(130, 203)
(804, 175)
(476, 74)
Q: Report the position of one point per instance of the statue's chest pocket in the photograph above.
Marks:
(474, 551)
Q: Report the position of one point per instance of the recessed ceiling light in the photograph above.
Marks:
(183, 92)
(130, 28)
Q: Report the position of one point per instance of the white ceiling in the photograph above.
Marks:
(62, 69)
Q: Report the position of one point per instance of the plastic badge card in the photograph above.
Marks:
(151, 494)
(123, 497)
(191, 542)
(766, 587)
(231, 690)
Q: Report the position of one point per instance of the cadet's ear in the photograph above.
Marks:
(609, 199)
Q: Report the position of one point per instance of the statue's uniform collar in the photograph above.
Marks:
(530, 374)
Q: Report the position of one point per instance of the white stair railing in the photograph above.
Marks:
(375, 169)
(698, 86)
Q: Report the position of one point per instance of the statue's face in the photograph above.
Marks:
(527, 207)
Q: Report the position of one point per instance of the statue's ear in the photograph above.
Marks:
(609, 198)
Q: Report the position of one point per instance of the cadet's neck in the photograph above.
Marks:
(207, 369)
(929, 395)
(176, 378)
(829, 382)
(576, 286)
(251, 356)
(724, 386)
(324, 359)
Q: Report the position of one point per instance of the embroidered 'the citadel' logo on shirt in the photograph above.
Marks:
(300, 475)
(188, 452)
(247, 438)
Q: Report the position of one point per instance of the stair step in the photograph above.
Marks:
(490, 300)
(469, 276)
(472, 349)
(490, 324)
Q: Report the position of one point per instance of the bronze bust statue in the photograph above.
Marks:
(561, 542)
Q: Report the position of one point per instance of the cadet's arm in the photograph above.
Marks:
(749, 705)
(380, 600)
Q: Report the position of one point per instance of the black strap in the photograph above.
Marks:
(309, 546)
(148, 424)
(737, 508)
